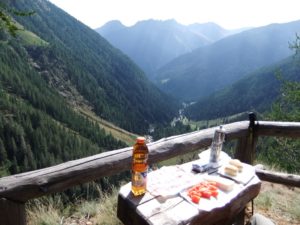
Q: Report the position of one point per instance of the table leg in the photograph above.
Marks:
(240, 218)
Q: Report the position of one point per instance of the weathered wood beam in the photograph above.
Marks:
(22, 187)
(170, 147)
(12, 213)
(279, 178)
(279, 129)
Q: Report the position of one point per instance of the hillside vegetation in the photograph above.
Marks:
(257, 91)
(38, 128)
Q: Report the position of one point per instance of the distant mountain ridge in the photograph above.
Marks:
(212, 31)
(153, 43)
(211, 68)
(257, 91)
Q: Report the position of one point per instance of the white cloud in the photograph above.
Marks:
(227, 13)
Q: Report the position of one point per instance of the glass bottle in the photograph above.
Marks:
(139, 167)
(216, 147)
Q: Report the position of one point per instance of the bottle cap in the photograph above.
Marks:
(140, 140)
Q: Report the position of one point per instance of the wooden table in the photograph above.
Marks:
(146, 209)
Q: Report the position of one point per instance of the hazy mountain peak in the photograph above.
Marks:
(153, 43)
(157, 23)
(207, 24)
(114, 23)
(111, 26)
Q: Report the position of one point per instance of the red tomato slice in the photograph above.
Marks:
(204, 189)
(195, 198)
(206, 194)
(214, 193)
(213, 188)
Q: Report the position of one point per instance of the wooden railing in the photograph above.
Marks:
(17, 189)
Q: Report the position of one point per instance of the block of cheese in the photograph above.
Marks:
(231, 170)
(222, 183)
(237, 163)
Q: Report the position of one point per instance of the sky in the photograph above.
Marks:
(230, 14)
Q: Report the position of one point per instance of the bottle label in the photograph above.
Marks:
(140, 158)
(139, 179)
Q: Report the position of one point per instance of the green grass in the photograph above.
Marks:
(30, 39)
(44, 211)
(202, 124)
(280, 203)
(264, 200)
(116, 132)
(51, 210)
(295, 211)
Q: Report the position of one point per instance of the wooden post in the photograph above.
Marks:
(246, 145)
(245, 152)
(12, 213)
(240, 218)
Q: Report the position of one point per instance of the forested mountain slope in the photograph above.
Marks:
(211, 68)
(78, 57)
(37, 127)
(54, 66)
(153, 43)
(257, 91)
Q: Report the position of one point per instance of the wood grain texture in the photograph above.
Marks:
(279, 178)
(279, 129)
(12, 213)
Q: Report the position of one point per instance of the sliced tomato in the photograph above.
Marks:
(195, 198)
(214, 193)
(206, 194)
(204, 189)
(212, 188)
(192, 192)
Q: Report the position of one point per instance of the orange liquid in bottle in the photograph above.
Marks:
(139, 167)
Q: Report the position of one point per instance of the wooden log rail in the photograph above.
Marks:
(25, 186)
(280, 178)
(17, 189)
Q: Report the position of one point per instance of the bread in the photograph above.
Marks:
(231, 170)
(237, 163)
(222, 183)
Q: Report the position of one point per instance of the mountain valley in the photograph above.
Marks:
(153, 43)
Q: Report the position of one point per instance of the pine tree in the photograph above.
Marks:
(14, 168)
(3, 154)
(284, 152)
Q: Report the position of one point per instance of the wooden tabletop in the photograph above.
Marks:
(147, 209)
